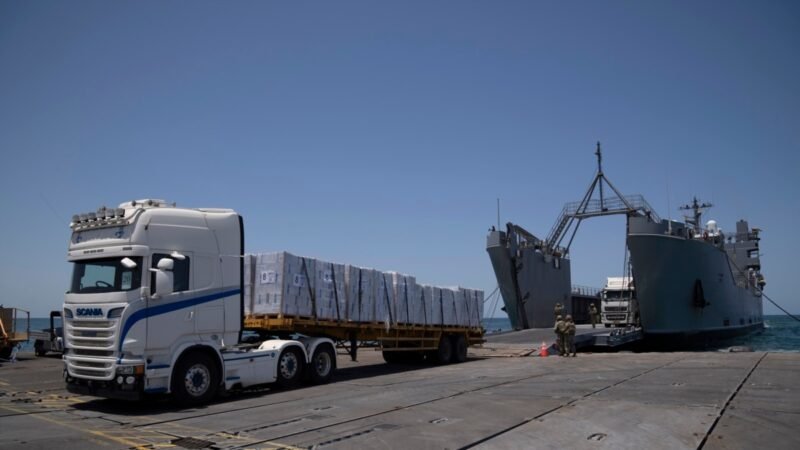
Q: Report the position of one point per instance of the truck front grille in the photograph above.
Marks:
(91, 345)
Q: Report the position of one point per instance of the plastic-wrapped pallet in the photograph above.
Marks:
(330, 296)
(478, 310)
(384, 298)
(249, 279)
(436, 306)
(474, 304)
(360, 292)
(462, 311)
(449, 306)
(421, 306)
(283, 284)
(405, 287)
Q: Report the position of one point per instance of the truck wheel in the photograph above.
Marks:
(322, 365)
(5, 352)
(459, 348)
(195, 379)
(445, 352)
(393, 357)
(290, 367)
(40, 351)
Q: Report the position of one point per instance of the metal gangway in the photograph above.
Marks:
(575, 212)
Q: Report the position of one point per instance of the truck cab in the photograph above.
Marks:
(155, 306)
(618, 305)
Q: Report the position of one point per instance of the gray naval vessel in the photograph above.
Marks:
(690, 281)
(693, 281)
(533, 273)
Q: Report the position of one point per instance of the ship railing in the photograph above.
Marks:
(587, 291)
(594, 208)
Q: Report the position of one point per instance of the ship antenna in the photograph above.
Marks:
(498, 213)
(600, 174)
(669, 209)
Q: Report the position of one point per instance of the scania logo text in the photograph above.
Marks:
(83, 312)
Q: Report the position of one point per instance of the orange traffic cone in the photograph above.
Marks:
(543, 350)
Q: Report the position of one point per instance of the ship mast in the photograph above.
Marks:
(574, 213)
(697, 212)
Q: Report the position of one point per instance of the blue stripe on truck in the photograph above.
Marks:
(170, 307)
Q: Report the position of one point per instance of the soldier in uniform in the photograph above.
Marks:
(593, 314)
(558, 309)
(569, 336)
(560, 329)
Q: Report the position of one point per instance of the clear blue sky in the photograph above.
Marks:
(381, 133)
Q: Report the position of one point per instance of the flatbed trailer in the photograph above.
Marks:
(399, 343)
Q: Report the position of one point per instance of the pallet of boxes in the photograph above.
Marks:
(408, 320)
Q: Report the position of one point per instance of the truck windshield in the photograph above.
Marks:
(105, 275)
(616, 295)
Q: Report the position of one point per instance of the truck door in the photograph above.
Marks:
(170, 316)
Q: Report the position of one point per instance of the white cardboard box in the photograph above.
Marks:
(330, 297)
(360, 293)
(283, 284)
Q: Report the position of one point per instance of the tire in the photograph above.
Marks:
(195, 380)
(608, 325)
(322, 365)
(290, 367)
(5, 352)
(459, 348)
(40, 351)
(393, 357)
(445, 352)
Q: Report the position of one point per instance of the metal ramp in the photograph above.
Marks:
(618, 336)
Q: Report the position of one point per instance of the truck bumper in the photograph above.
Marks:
(106, 389)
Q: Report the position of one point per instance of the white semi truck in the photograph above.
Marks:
(156, 306)
(618, 305)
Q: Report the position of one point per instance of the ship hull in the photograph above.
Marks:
(667, 270)
(530, 283)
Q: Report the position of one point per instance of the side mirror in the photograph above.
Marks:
(164, 277)
(166, 264)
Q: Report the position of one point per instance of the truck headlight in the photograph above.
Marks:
(130, 370)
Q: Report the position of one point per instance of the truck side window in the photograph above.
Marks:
(180, 272)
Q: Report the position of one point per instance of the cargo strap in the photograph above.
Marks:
(335, 293)
(386, 296)
(424, 309)
(405, 294)
(310, 291)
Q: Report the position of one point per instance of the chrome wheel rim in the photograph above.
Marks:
(323, 363)
(197, 380)
(288, 365)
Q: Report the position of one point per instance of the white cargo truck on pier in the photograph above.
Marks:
(161, 297)
(618, 305)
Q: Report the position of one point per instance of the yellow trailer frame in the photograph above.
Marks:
(418, 341)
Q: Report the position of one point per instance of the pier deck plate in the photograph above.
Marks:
(645, 400)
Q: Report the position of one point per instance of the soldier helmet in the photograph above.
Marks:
(558, 317)
(569, 317)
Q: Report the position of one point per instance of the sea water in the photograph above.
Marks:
(781, 333)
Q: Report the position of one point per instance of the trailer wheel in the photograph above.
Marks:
(195, 379)
(5, 352)
(445, 352)
(459, 348)
(39, 349)
(393, 357)
(290, 367)
(322, 365)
